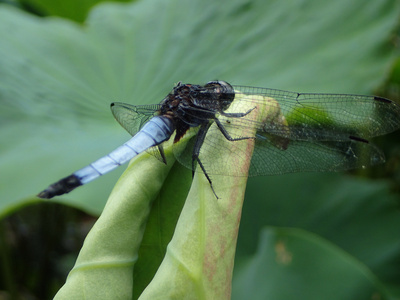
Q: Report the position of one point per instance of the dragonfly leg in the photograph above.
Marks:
(196, 152)
(208, 177)
(237, 115)
(227, 135)
(161, 150)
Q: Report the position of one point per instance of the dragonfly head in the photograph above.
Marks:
(226, 91)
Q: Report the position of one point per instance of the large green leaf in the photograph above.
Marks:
(58, 78)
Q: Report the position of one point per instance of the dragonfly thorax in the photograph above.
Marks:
(196, 104)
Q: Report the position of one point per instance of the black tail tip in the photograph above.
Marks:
(61, 187)
(49, 193)
(44, 195)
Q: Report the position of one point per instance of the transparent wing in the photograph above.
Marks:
(133, 117)
(271, 157)
(312, 156)
(330, 116)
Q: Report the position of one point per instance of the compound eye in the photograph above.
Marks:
(226, 87)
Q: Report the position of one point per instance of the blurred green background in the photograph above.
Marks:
(302, 236)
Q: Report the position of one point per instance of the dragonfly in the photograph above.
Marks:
(299, 132)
